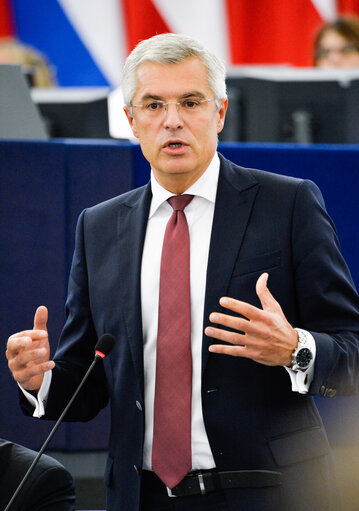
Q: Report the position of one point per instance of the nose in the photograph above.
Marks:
(334, 58)
(172, 117)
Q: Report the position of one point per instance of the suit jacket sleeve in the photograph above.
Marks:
(328, 304)
(75, 351)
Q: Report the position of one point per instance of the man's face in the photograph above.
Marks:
(179, 144)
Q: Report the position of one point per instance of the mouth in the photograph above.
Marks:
(174, 144)
(175, 147)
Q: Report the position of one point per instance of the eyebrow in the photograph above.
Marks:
(191, 94)
(151, 96)
(195, 94)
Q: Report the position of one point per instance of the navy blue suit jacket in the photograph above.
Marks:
(263, 222)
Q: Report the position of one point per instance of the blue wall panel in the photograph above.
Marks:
(32, 268)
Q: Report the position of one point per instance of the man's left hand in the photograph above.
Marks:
(263, 335)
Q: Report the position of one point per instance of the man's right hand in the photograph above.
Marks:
(28, 353)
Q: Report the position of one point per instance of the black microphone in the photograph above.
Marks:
(103, 347)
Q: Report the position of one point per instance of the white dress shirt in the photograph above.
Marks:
(199, 214)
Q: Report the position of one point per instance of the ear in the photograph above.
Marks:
(222, 114)
(131, 120)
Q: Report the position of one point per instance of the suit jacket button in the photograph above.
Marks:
(139, 406)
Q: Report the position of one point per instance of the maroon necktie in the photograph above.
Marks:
(171, 451)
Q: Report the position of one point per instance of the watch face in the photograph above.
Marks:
(304, 357)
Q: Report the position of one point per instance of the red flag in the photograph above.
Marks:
(142, 21)
(265, 32)
(348, 7)
(268, 32)
(6, 20)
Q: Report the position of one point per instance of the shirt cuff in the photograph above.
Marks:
(39, 402)
(301, 380)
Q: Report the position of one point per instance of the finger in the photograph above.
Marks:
(239, 324)
(224, 335)
(25, 340)
(16, 344)
(245, 309)
(40, 318)
(269, 303)
(234, 351)
(24, 375)
(37, 356)
(33, 335)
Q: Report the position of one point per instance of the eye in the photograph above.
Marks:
(154, 105)
(190, 104)
(322, 53)
(349, 48)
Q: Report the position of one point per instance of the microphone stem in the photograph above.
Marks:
(53, 431)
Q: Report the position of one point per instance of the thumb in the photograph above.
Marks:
(269, 303)
(40, 318)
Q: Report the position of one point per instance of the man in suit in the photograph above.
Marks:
(48, 488)
(253, 439)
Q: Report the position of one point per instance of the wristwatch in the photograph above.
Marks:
(302, 355)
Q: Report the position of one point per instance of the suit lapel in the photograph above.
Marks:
(236, 193)
(132, 222)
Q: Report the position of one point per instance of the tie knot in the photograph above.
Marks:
(179, 202)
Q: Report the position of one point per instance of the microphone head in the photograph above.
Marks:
(104, 345)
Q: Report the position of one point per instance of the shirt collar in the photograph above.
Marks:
(205, 186)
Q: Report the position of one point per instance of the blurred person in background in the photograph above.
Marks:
(34, 64)
(337, 44)
(50, 486)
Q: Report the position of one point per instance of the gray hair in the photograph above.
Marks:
(172, 49)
